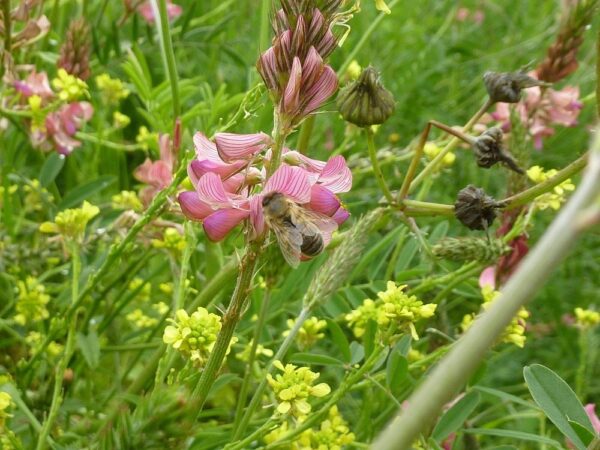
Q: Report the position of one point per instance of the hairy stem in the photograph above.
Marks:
(454, 370)
(376, 169)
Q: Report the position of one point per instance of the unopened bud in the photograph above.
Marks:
(365, 101)
(470, 249)
(489, 150)
(506, 87)
(474, 208)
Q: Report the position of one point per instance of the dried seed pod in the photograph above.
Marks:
(474, 208)
(506, 87)
(470, 249)
(489, 150)
(365, 101)
(75, 52)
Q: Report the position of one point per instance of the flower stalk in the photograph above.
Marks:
(376, 169)
(454, 370)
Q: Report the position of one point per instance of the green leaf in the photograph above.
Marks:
(558, 401)
(313, 358)
(85, 191)
(90, 348)
(520, 435)
(51, 168)
(403, 345)
(504, 396)
(396, 371)
(339, 339)
(357, 351)
(583, 433)
(456, 416)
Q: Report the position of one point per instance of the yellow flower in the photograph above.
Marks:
(71, 223)
(309, 333)
(31, 301)
(5, 403)
(161, 308)
(143, 289)
(69, 87)
(146, 139)
(120, 120)
(293, 387)
(381, 6)
(244, 355)
(112, 89)
(555, 198)
(172, 240)
(353, 71)
(587, 318)
(332, 434)
(127, 200)
(194, 336)
(35, 341)
(360, 317)
(166, 288)
(34, 200)
(431, 150)
(141, 320)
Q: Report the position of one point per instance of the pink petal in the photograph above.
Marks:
(488, 277)
(267, 67)
(294, 158)
(590, 410)
(221, 222)
(322, 200)
(211, 190)
(291, 95)
(291, 181)
(160, 174)
(327, 44)
(192, 207)
(298, 37)
(164, 146)
(233, 146)
(341, 215)
(312, 67)
(321, 90)
(205, 149)
(256, 215)
(336, 176)
(200, 168)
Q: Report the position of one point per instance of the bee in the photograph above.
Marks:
(299, 231)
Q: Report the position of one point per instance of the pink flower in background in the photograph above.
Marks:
(156, 174)
(62, 125)
(146, 11)
(35, 84)
(590, 410)
(541, 110)
(465, 14)
(223, 175)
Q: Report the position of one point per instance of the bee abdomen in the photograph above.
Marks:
(312, 245)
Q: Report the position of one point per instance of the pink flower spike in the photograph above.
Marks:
(35, 84)
(221, 222)
(322, 200)
(291, 95)
(312, 68)
(291, 181)
(192, 207)
(146, 11)
(488, 277)
(336, 176)
(231, 146)
(321, 90)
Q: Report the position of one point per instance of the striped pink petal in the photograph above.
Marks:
(324, 201)
(294, 158)
(312, 67)
(210, 190)
(221, 222)
(336, 176)
(205, 148)
(233, 146)
(192, 207)
(291, 181)
(267, 67)
(341, 215)
(321, 90)
(257, 218)
(200, 168)
(291, 95)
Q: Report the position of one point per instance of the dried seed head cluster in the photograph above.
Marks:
(75, 52)
(506, 87)
(470, 249)
(474, 208)
(489, 150)
(293, 67)
(365, 101)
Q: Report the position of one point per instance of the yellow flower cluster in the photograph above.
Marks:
(127, 200)
(431, 150)
(171, 240)
(38, 116)
(393, 310)
(120, 120)
(71, 223)
(35, 195)
(514, 332)
(69, 87)
(382, 6)
(145, 138)
(193, 336)
(141, 320)
(309, 333)
(587, 318)
(293, 387)
(244, 355)
(35, 341)
(554, 198)
(31, 301)
(145, 289)
(5, 403)
(332, 434)
(112, 89)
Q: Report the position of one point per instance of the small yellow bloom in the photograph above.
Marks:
(141, 320)
(354, 69)
(431, 150)
(172, 240)
(69, 87)
(555, 198)
(5, 403)
(127, 200)
(112, 89)
(309, 333)
(332, 434)
(145, 138)
(31, 301)
(244, 355)
(71, 223)
(120, 120)
(587, 318)
(382, 6)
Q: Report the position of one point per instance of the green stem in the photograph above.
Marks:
(532, 193)
(57, 396)
(7, 33)
(166, 47)
(305, 133)
(260, 431)
(376, 169)
(108, 144)
(258, 328)
(580, 376)
(230, 320)
(450, 375)
(439, 208)
(258, 393)
(277, 148)
(435, 162)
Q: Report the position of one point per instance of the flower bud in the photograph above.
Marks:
(474, 208)
(470, 249)
(489, 150)
(366, 102)
(506, 86)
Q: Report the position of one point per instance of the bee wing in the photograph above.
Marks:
(290, 241)
(311, 222)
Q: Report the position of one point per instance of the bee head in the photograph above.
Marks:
(271, 197)
(275, 204)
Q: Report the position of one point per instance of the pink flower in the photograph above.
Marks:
(146, 11)
(35, 84)
(488, 277)
(590, 410)
(156, 174)
(62, 125)
(540, 113)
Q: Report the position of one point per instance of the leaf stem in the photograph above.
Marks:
(376, 169)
